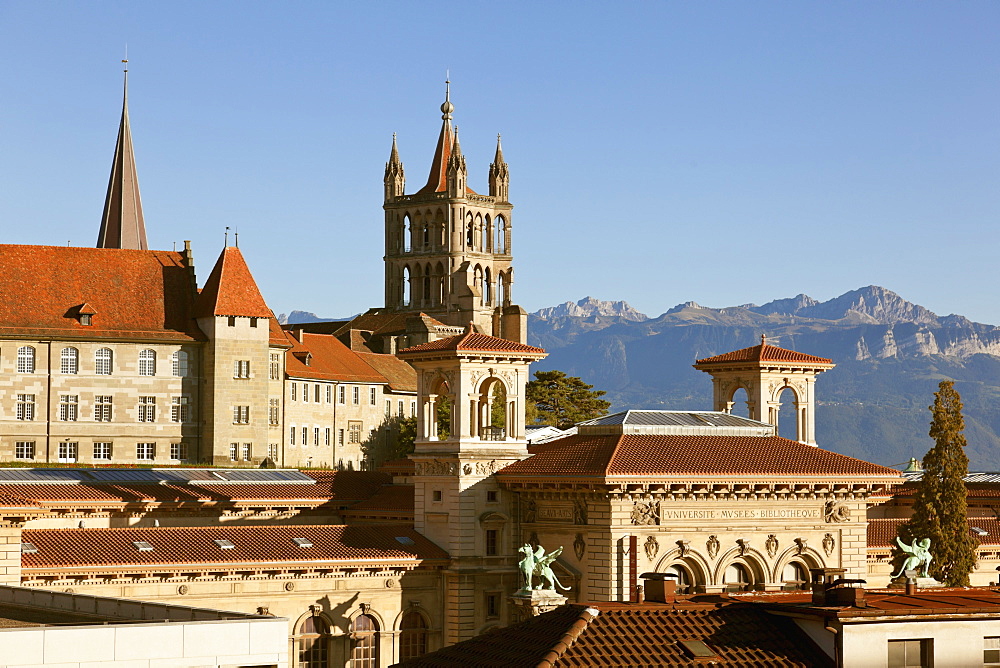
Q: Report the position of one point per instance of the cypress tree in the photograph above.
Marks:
(940, 507)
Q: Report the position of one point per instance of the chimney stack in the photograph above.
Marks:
(658, 588)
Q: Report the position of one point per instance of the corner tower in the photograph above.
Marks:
(764, 372)
(448, 248)
(471, 386)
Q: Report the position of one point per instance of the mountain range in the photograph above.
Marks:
(890, 355)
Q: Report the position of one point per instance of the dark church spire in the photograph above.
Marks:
(122, 225)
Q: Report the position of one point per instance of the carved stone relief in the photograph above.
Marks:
(712, 544)
(530, 512)
(771, 544)
(828, 544)
(646, 513)
(579, 512)
(579, 546)
(800, 545)
(684, 546)
(436, 467)
(651, 547)
(837, 511)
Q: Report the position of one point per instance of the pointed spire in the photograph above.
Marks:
(395, 180)
(499, 175)
(456, 149)
(231, 290)
(122, 225)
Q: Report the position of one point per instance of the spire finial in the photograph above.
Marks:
(447, 107)
(227, 237)
(763, 339)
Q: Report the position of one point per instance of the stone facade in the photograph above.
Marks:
(62, 407)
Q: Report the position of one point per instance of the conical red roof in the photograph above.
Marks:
(231, 290)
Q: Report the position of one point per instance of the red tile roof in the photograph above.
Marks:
(107, 549)
(394, 500)
(331, 486)
(379, 323)
(231, 290)
(765, 353)
(331, 360)
(610, 456)
(882, 532)
(401, 376)
(635, 636)
(880, 603)
(134, 294)
(473, 341)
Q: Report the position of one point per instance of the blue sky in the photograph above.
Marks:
(659, 152)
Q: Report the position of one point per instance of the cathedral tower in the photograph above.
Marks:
(448, 248)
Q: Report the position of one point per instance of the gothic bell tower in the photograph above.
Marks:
(448, 248)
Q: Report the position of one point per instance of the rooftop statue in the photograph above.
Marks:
(537, 564)
(919, 553)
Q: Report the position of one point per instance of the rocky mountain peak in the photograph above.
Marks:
(871, 304)
(589, 307)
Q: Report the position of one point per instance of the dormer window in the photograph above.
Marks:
(85, 314)
(142, 546)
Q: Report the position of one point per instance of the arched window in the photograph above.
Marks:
(470, 233)
(426, 236)
(405, 290)
(312, 643)
(179, 362)
(364, 642)
(26, 359)
(487, 288)
(501, 235)
(685, 580)
(485, 226)
(412, 636)
(501, 290)
(69, 360)
(795, 575)
(407, 228)
(102, 362)
(737, 577)
(147, 363)
(426, 296)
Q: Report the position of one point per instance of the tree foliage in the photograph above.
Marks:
(396, 437)
(560, 400)
(940, 506)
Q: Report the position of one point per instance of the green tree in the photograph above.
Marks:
(940, 507)
(395, 438)
(560, 400)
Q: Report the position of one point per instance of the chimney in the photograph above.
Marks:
(846, 593)
(658, 587)
(821, 579)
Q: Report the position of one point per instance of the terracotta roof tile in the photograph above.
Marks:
(109, 548)
(667, 455)
(337, 486)
(473, 341)
(882, 532)
(134, 294)
(635, 636)
(401, 376)
(231, 290)
(764, 352)
(393, 499)
(331, 360)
